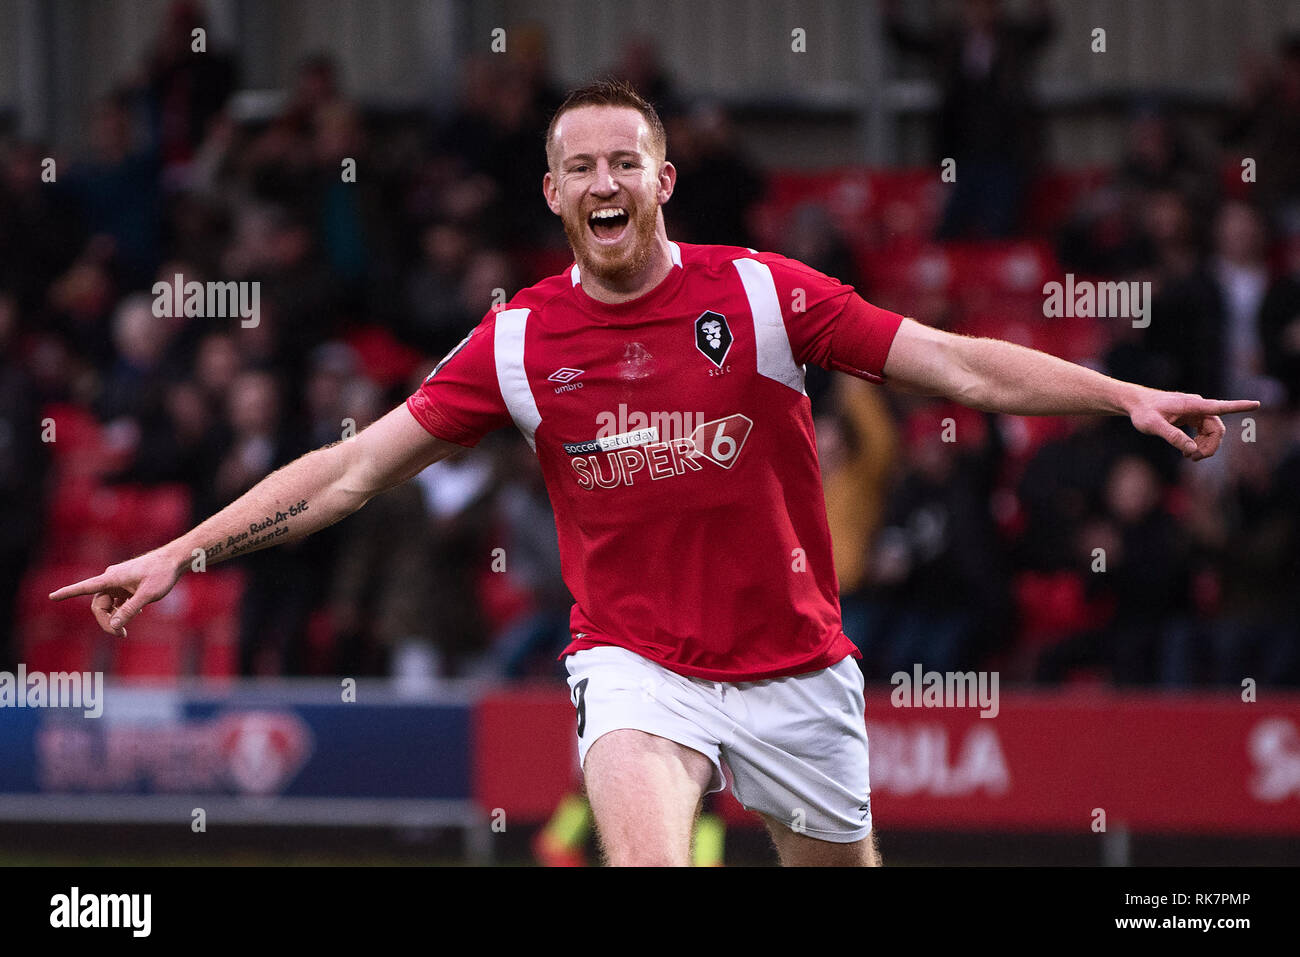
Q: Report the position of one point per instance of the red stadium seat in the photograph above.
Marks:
(1009, 273)
(150, 516)
(845, 190)
(1051, 605)
(78, 445)
(1230, 181)
(1056, 194)
(871, 208)
(69, 518)
(906, 202)
(501, 600)
(56, 636)
(907, 269)
(1025, 434)
(213, 617)
(157, 641)
(537, 264)
(383, 359)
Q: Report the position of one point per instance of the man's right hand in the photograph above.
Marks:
(336, 480)
(123, 590)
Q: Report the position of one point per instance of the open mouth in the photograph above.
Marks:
(608, 224)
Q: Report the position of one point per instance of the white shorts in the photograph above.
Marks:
(796, 746)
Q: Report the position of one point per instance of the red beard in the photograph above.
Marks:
(617, 265)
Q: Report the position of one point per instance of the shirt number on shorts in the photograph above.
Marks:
(580, 702)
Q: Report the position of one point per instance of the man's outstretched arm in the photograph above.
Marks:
(996, 376)
(308, 494)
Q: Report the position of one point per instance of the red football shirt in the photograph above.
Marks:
(677, 445)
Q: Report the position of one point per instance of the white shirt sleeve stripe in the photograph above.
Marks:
(508, 350)
(775, 358)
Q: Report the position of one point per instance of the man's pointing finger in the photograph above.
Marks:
(88, 586)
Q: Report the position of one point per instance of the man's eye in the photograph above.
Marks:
(627, 164)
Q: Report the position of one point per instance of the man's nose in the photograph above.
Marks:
(604, 183)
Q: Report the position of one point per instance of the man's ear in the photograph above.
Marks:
(667, 181)
(551, 193)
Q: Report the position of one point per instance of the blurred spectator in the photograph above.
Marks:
(640, 64)
(379, 596)
(496, 127)
(40, 231)
(1144, 217)
(285, 581)
(987, 119)
(939, 593)
(1266, 128)
(1219, 324)
(1247, 533)
(1105, 236)
(1060, 485)
(1144, 581)
(435, 318)
(135, 384)
(457, 493)
(81, 301)
(716, 185)
(856, 446)
(179, 445)
(300, 298)
(186, 87)
(117, 190)
(342, 205)
(530, 53)
(810, 236)
(277, 167)
(23, 463)
(1157, 156)
(316, 88)
(531, 643)
(331, 381)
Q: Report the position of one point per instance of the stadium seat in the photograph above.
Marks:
(1056, 194)
(871, 208)
(157, 641)
(78, 446)
(1051, 605)
(906, 202)
(906, 269)
(538, 264)
(56, 636)
(149, 516)
(501, 600)
(383, 359)
(1230, 181)
(1009, 274)
(212, 616)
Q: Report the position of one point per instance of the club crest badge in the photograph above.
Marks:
(713, 337)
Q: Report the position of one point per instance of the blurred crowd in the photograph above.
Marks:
(977, 552)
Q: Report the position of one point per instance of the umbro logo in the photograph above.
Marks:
(565, 376)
